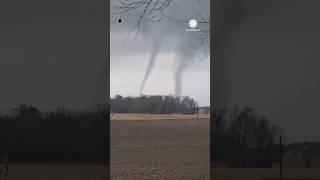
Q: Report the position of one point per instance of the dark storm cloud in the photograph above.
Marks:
(51, 52)
(270, 60)
(172, 27)
(172, 31)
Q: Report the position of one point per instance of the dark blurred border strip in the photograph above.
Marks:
(212, 19)
(107, 20)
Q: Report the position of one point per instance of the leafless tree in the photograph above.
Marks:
(145, 10)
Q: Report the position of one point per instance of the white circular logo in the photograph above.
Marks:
(193, 23)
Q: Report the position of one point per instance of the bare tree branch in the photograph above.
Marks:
(146, 10)
(154, 11)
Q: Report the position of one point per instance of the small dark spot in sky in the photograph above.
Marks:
(119, 20)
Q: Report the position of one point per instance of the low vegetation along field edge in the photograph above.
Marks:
(133, 116)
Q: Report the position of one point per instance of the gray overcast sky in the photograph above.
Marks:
(269, 60)
(129, 59)
(51, 52)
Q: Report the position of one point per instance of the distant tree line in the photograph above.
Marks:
(243, 138)
(64, 135)
(153, 104)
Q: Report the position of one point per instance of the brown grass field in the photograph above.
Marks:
(159, 147)
(55, 172)
(266, 174)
